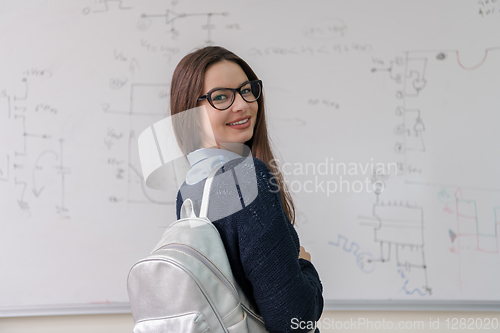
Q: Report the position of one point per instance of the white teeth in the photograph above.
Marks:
(239, 122)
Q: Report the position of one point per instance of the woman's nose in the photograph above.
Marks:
(239, 103)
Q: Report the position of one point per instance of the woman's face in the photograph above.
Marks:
(216, 123)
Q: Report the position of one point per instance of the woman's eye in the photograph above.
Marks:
(245, 91)
(220, 97)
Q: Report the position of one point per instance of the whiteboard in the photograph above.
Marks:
(384, 114)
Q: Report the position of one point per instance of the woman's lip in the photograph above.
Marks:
(239, 119)
(243, 126)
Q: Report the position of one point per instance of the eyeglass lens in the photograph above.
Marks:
(223, 98)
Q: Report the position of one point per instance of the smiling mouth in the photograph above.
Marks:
(239, 122)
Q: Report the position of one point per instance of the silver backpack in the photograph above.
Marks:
(186, 284)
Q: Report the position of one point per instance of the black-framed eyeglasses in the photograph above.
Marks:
(223, 98)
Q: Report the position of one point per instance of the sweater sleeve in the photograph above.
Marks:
(287, 289)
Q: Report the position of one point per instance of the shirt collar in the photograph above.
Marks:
(204, 160)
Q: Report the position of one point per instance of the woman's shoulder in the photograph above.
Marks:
(249, 164)
(244, 170)
(250, 170)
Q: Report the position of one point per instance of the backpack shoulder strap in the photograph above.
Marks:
(206, 192)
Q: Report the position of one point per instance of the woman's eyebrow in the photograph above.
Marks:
(228, 87)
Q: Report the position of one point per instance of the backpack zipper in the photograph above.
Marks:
(207, 262)
(250, 312)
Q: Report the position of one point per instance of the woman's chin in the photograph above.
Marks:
(240, 138)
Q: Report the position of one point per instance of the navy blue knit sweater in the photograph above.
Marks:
(262, 246)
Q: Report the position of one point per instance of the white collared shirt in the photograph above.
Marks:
(204, 160)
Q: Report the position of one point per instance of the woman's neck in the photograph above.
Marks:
(237, 148)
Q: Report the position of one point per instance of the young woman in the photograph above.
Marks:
(249, 202)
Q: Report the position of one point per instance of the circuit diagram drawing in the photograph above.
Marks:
(398, 228)
(140, 101)
(470, 232)
(34, 161)
(410, 73)
(468, 228)
(170, 17)
(104, 6)
(411, 129)
(433, 89)
(148, 103)
(400, 232)
(414, 77)
(364, 260)
(141, 93)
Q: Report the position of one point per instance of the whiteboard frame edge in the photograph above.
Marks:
(401, 305)
(329, 305)
(65, 310)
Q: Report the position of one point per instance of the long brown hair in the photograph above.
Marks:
(187, 85)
